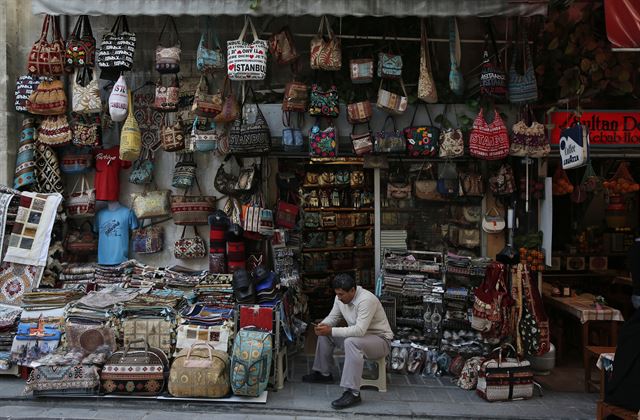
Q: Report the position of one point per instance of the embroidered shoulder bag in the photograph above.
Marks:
(451, 141)
(326, 55)
(323, 143)
(230, 108)
(523, 86)
(168, 58)
(167, 97)
(142, 170)
(204, 104)
(86, 94)
(48, 99)
(47, 57)
(422, 140)
(362, 142)
(529, 140)
(184, 172)
(81, 45)
(209, 57)
(389, 65)
(206, 140)
(324, 103)
(489, 141)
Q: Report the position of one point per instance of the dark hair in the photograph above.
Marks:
(343, 281)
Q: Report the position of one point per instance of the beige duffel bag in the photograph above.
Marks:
(200, 371)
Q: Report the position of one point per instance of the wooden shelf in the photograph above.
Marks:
(344, 248)
(320, 273)
(334, 186)
(362, 209)
(319, 229)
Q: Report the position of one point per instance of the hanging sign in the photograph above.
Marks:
(606, 128)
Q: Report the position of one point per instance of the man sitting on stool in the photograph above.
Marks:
(367, 335)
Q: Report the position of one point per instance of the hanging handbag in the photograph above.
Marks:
(225, 182)
(422, 140)
(389, 141)
(76, 160)
(324, 103)
(86, 130)
(48, 170)
(489, 141)
(574, 146)
(130, 136)
(189, 248)
(456, 80)
(147, 240)
(399, 191)
(54, 131)
(493, 81)
(230, 107)
(448, 184)
(361, 70)
(150, 204)
(502, 182)
(266, 222)
(292, 138)
(204, 104)
(25, 86)
(86, 94)
(167, 97)
(192, 209)
(81, 45)
(184, 172)
(250, 139)
(49, 98)
(323, 143)
(172, 136)
(81, 203)
(296, 97)
(426, 84)
(247, 61)
(168, 58)
(523, 86)
(209, 57)
(363, 142)
(505, 379)
(493, 222)
(80, 240)
(471, 184)
(426, 189)
(282, 46)
(451, 144)
(119, 100)
(529, 140)
(390, 102)
(359, 112)
(46, 58)
(206, 140)
(118, 47)
(142, 170)
(286, 215)
(246, 178)
(389, 65)
(468, 238)
(325, 55)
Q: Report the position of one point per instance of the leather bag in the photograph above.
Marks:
(247, 61)
(209, 56)
(49, 98)
(168, 58)
(426, 84)
(391, 141)
(130, 136)
(230, 107)
(80, 49)
(324, 103)
(422, 140)
(190, 248)
(493, 222)
(362, 142)
(282, 46)
(118, 47)
(390, 102)
(325, 54)
(489, 141)
(472, 184)
(250, 139)
(200, 371)
(86, 94)
(296, 97)
(135, 371)
(224, 181)
(359, 112)
(46, 58)
(150, 204)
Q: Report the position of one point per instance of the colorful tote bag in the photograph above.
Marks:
(489, 141)
(523, 86)
(323, 143)
(81, 45)
(325, 54)
(324, 103)
(81, 202)
(209, 57)
(26, 157)
(247, 61)
(422, 140)
(47, 57)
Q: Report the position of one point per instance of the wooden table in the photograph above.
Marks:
(582, 308)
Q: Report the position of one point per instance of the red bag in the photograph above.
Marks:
(286, 215)
(47, 58)
(489, 141)
(256, 316)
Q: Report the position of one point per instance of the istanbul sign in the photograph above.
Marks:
(606, 128)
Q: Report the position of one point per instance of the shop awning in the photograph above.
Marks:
(622, 18)
(375, 8)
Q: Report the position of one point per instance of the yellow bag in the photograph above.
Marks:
(200, 371)
(130, 138)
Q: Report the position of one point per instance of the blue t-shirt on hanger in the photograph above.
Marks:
(112, 227)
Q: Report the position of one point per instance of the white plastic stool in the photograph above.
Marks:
(380, 380)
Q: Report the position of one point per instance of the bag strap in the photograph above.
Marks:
(420, 103)
(77, 28)
(130, 105)
(393, 120)
(255, 100)
(321, 27)
(175, 29)
(424, 45)
(45, 28)
(247, 23)
(86, 27)
(491, 36)
(211, 35)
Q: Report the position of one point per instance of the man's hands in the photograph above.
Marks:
(323, 329)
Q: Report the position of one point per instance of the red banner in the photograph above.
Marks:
(606, 128)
